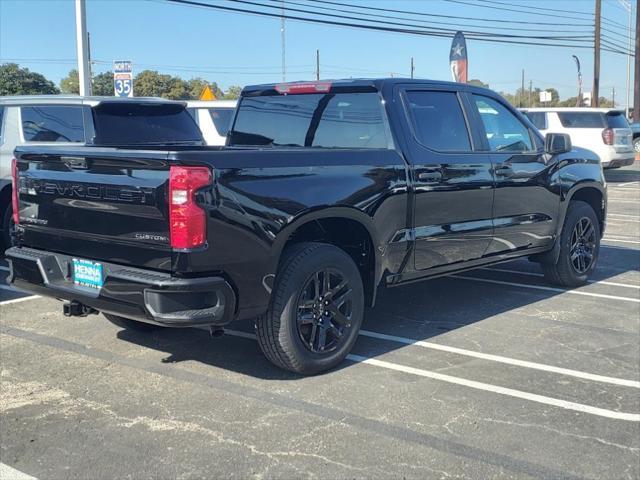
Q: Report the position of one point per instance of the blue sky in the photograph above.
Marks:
(241, 49)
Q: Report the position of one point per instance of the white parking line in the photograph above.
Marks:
(536, 274)
(500, 359)
(10, 473)
(620, 240)
(624, 184)
(610, 214)
(548, 289)
(631, 417)
(18, 300)
(533, 397)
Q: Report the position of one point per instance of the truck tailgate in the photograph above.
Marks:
(103, 204)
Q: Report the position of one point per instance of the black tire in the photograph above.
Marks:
(7, 227)
(287, 335)
(133, 325)
(571, 269)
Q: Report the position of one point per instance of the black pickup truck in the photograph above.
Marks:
(325, 192)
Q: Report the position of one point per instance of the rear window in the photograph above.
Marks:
(617, 120)
(438, 121)
(332, 120)
(144, 124)
(581, 119)
(221, 119)
(52, 123)
(539, 119)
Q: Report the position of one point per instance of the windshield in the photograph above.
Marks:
(144, 124)
(332, 120)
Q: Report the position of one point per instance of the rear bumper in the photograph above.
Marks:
(139, 294)
(619, 162)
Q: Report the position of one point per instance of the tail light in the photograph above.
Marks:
(188, 223)
(607, 136)
(15, 204)
(303, 87)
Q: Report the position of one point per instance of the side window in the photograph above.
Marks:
(438, 121)
(505, 133)
(52, 123)
(221, 119)
(539, 119)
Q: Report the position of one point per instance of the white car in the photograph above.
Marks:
(214, 118)
(604, 131)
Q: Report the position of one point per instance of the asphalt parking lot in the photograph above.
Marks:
(488, 374)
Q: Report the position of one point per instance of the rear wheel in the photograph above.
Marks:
(129, 324)
(316, 310)
(8, 227)
(579, 247)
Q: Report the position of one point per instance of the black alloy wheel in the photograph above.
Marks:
(583, 245)
(324, 311)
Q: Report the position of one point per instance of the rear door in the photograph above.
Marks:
(453, 184)
(525, 205)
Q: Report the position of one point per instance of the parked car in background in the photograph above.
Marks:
(635, 129)
(604, 131)
(72, 120)
(326, 191)
(213, 117)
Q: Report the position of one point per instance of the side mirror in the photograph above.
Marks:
(556, 143)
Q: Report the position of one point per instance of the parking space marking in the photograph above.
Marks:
(621, 240)
(10, 473)
(18, 300)
(536, 274)
(548, 289)
(534, 397)
(610, 214)
(500, 359)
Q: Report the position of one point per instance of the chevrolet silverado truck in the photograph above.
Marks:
(324, 192)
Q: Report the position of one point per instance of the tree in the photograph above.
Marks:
(233, 92)
(197, 85)
(70, 83)
(150, 83)
(21, 81)
(102, 84)
(478, 83)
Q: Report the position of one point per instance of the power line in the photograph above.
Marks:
(481, 19)
(543, 9)
(468, 33)
(458, 25)
(194, 3)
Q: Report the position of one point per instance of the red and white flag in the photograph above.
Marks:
(458, 58)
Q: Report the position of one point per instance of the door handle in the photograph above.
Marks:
(503, 170)
(430, 177)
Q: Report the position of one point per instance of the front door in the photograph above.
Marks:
(453, 184)
(525, 203)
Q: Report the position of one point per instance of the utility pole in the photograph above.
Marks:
(317, 64)
(627, 6)
(82, 43)
(613, 96)
(413, 68)
(530, 87)
(282, 42)
(595, 93)
(636, 76)
(521, 101)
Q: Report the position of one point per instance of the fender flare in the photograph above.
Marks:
(349, 213)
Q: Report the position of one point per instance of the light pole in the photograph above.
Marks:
(82, 43)
(627, 6)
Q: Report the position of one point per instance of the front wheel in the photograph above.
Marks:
(316, 310)
(579, 247)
